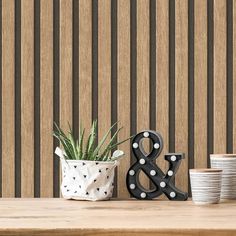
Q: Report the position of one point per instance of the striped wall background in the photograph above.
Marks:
(167, 65)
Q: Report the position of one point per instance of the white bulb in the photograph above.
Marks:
(156, 145)
(172, 194)
(173, 158)
(132, 186)
(131, 172)
(135, 145)
(145, 134)
(152, 172)
(170, 172)
(163, 184)
(142, 161)
(143, 195)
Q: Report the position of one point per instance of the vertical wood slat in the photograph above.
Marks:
(27, 98)
(143, 62)
(65, 63)
(104, 67)
(200, 84)
(46, 98)
(8, 97)
(123, 91)
(162, 84)
(181, 89)
(234, 77)
(220, 76)
(85, 63)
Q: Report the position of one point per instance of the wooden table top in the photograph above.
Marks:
(115, 217)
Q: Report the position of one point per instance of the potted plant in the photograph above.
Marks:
(87, 168)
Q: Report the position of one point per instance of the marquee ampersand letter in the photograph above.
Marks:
(146, 162)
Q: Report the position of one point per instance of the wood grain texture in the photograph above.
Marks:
(27, 98)
(46, 98)
(181, 89)
(27, 217)
(65, 63)
(234, 76)
(83, 58)
(200, 84)
(8, 97)
(123, 91)
(143, 82)
(220, 76)
(104, 67)
(85, 63)
(162, 78)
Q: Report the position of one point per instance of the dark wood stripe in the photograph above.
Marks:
(95, 59)
(152, 84)
(190, 85)
(153, 64)
(171, 75)
(37, 98)
(75, 68)
(17, 98)
(114, 74)
(1, 98)
(210, 73)
(229, 70)
(56, 85)
(133, 68)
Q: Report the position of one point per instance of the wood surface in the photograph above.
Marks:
(234, 76)
(162, 78)
(220, 76)
(104, 67)
(46, 98)
(8, 99)
(143, 82)
(200, 84)
(27, 98)
(181, 89)
(85, 64)
(123, 102)
(64, 217)
(65, 66)
(65, 63)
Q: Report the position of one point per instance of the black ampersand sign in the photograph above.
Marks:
(146, 162)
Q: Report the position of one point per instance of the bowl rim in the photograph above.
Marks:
(225, 155)
(205, 170)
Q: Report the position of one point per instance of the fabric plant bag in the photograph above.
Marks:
(86, 180)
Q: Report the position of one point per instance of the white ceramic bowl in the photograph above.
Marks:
(205, 185)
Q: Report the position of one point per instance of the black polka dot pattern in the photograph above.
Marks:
(82, 182)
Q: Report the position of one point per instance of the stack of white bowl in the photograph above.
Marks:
(227, 163)
(205, 185)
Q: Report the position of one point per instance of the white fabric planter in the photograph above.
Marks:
(86, 180)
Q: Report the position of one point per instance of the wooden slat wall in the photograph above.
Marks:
(27, 98)
(8, 89)
(181, 88)
(146, 63)
(46, 98)
(162, 82)
(143, 62)
(220, 136)
(200, 84)
(123, 102)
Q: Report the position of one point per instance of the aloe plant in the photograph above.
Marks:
(77, 149)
